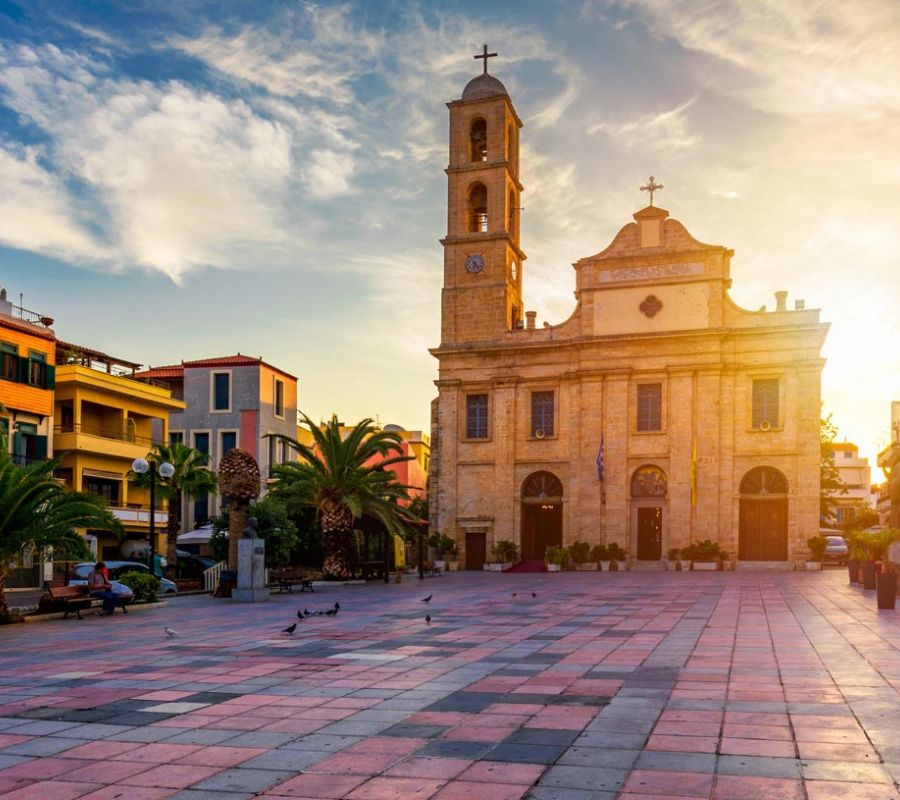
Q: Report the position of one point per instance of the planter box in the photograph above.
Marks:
(441, 564)
(813, 566)
(604, 565)
(452, 566)
(588, 567)
(553, 568)
(706, 566)
(495, 567)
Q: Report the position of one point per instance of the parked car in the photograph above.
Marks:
(191, 567)
(836, 549)
(116, 569)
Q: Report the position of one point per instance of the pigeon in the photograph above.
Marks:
(332, 612)
(534, 594)
(300, 615)
(290, 628)
(337, 606)
(428, 619)
(427, 599)
(307, 612)
(171, 634)
(514, 594)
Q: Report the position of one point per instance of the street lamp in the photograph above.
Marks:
(165, 470)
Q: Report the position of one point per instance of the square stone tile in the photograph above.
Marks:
(243, 779)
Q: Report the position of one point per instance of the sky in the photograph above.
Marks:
(183, 180)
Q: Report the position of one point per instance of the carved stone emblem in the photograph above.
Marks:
(651, 305)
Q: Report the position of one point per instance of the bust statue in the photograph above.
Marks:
(250, 529)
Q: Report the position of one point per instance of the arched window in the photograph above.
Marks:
(763, 481)
(511, 153)
(511, 213)
(649, 481)
(478, 216)
(542, 485)
(478, 140)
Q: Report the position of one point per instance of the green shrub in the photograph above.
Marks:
(598, 552)
(702, 551)
(580, 552)
(816, 545)
(144, 585)
(615, 552)
(674, 554)
(447, 546)
(504, 551)
(557, 555)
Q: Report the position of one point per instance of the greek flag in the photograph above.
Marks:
(601, 473)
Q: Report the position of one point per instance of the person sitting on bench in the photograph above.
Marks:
(100, 587)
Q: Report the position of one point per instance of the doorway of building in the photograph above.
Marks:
(476, 544)
(763, 525)
(542, 515)
(649, 533)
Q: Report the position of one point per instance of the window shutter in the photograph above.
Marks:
(24, 366)
(49, 377)
(40, 449)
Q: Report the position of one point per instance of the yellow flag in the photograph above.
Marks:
(694, 474)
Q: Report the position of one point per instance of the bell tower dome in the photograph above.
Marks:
(482, 296)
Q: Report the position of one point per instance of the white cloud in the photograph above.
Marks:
(666, 131)
(327, 173)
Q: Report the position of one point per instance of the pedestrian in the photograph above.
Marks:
(100, 587)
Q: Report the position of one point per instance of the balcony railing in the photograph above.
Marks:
(137, 514)
(105, 433)
(32, 317)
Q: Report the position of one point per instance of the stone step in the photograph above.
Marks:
(648, 566)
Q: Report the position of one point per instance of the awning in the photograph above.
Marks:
(198, 536)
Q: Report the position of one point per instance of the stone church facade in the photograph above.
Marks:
(659, 414)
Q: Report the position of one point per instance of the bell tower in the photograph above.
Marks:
(482, 295)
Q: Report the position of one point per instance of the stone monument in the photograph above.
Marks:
(251, 571)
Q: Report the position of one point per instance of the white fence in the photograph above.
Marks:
(211, 576)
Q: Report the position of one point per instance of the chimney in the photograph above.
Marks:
(530, 318)
(781, 301)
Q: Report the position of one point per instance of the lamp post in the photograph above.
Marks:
(165, 470)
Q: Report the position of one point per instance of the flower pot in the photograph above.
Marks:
(853, 570)
(495, 567)
(442, 565)
(453, 566)
(706, 566)
(813, 566)
(553, 568)
(613, 566)
(887, 589)
(868, 575)
(590, 566)
(605, 566)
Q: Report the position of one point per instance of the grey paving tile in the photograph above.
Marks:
(598, 757)
(676, 762)
(42, 746)
(244, 780)
(756, 765)
(597, 779)
(284, 759)
(266, 739)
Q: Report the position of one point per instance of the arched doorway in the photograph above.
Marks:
(542, 506)
(763, 531)
(649, 488)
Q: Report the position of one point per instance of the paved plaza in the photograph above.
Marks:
(735, 686)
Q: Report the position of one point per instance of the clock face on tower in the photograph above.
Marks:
(513, 271)
(474, 263)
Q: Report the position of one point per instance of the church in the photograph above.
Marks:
(659, 414)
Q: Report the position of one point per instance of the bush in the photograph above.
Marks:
(615, 552)
(447, 546)
(505, 551)
(598, 552)
(702, 551)
(580, 552)
(674, 554)
(144, 585)
(816, 545)
(557, 555)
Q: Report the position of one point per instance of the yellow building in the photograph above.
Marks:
(104, 419)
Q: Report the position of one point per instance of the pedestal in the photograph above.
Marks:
(251, 578)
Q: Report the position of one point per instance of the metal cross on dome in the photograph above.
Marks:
(485, 55)
(652, 186)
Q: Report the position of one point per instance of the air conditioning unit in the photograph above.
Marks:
(765, 425)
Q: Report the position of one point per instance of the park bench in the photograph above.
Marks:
(431, 570)
(74, 598)
(287, 579)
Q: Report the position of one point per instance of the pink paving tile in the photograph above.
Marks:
(424, 767)
(468, 790)
(239, 723)
(9, 739)
(103, 772)
(689, 715)
(687, 728)
(756, 718)
(677, 784)
(845, 736)
(840, 790)
(756, 732)
(497, 772)
(824, 721)
(746, 787)
(159, 753)
(40, 768)
(395, 789)
(221, 756)
(516, 709)
(297, 726)
(310, 785)
(683, 744)
(394, 745)
(101, 749)
(51, 790)
(757, 747)
(824, 751)
(172, 776)
(356, 763)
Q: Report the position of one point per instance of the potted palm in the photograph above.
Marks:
(674, 559)
(556, 558)
(870, 545)
(598, 553)
(726, 561)
(616, 554)
(886, 580)
(816, 545)
(504, 552)
(705, 556)
(601, 552)
(450, 552)
(580, 554)
(853, 554)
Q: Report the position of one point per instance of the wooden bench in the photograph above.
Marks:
(74, 598)
(288, 579)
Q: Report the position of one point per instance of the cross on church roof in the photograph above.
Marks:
(485, 55)
(652, 186)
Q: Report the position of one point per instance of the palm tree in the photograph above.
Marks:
(36, 512)
(344, 478)
(192, 479)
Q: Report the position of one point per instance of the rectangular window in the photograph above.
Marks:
(176, 437)
(201, 510)
(37, 369)
(279, 398)
(273, 456)
(9, 361)
(102, 487)
(649, 407)
(765, 403)
(229, 442)
(541, 414)
(201, 443)
(221, 391)
(477, 416)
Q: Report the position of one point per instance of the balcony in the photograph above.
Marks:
(31, 317)
(95, 439)
(139, 515)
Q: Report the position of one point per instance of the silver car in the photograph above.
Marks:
(81, 571)
(835, 549)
